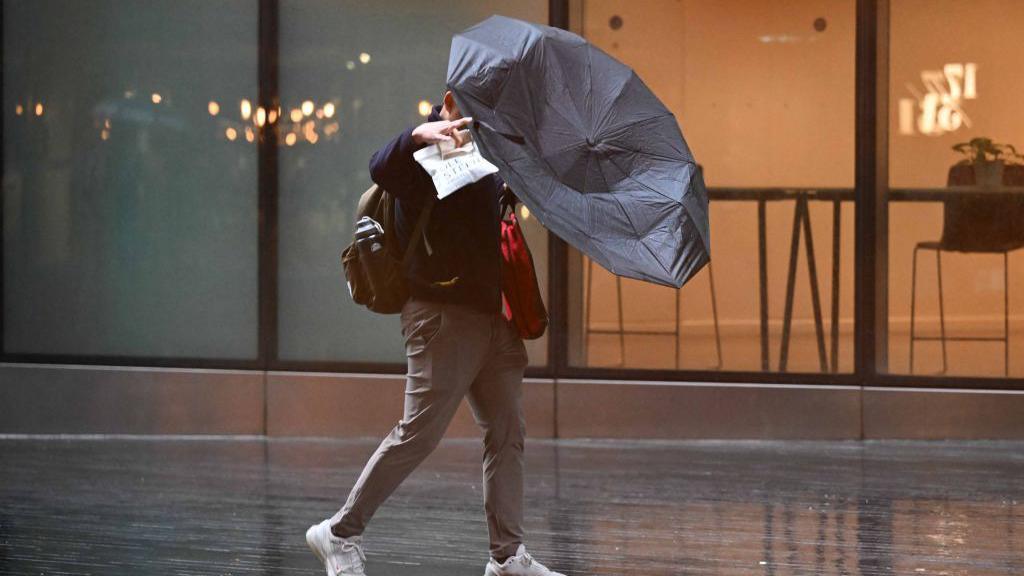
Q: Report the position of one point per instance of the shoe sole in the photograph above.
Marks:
(310, 541)
(489, 571)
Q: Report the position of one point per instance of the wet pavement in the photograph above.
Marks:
(241, 506)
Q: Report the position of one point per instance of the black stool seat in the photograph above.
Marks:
(1009, 246)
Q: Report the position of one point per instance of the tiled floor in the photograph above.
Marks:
(240, 506)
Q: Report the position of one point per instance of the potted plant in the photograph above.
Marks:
(988, 158)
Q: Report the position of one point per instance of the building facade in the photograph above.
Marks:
(179, 179)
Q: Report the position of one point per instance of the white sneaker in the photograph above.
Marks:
(521, 564)
(341, 556)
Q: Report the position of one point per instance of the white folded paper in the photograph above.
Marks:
(452, 168)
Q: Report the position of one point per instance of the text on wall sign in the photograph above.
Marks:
(938, 109)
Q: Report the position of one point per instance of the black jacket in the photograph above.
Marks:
(464, 231)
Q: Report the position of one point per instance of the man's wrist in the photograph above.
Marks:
(409, 141)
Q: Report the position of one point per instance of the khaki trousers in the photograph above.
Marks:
(453, 351)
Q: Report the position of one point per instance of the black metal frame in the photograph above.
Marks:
(269, 98)
(870, 338)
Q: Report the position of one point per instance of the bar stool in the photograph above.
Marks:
(622, 332)
(973, 225)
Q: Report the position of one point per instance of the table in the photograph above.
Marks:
(801, 223)
(941, 194)
(828, 362)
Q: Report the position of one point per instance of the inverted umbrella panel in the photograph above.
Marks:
(586, 145)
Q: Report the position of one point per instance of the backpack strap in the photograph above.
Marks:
(418, 231)
(507, 200)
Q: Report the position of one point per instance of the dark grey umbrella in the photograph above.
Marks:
(585, 145)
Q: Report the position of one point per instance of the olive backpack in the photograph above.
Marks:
(376, 274)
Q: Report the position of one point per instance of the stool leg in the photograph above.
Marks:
(622, 324)
(679, 324)
(586, 313)
(812, 273)
(714, 316)
(942, 311)
(1006, 314)
(787, 315)
(913, 305)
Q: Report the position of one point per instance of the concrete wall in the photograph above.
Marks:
(63, 399)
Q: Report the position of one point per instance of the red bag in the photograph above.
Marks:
(521, 299)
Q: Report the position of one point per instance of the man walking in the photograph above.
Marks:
(457, 343)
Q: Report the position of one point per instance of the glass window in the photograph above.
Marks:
(764, 94)
(956, 198)
(353, 75)
(130, 197)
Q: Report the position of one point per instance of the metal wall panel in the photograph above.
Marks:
(63, 399)
(623, 409)
(75, 399)
(355, 405)
(934, 414)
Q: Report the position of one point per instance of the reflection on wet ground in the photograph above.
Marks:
(146, 506)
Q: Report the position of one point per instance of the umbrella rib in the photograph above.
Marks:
(641, 239)
(609, 139)
(668, 273)
(563, 116)
(562, 149)
(606, 264)
(631, 177)
(611, 105)
(624, 212)
(579, 116)
(648, 154)
(586, 175)
(568, 93)
(588, 92)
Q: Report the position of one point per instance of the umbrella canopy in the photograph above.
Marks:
(585, 145)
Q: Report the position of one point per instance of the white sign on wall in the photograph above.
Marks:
(938, 109)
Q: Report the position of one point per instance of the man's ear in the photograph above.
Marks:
(449, 100)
